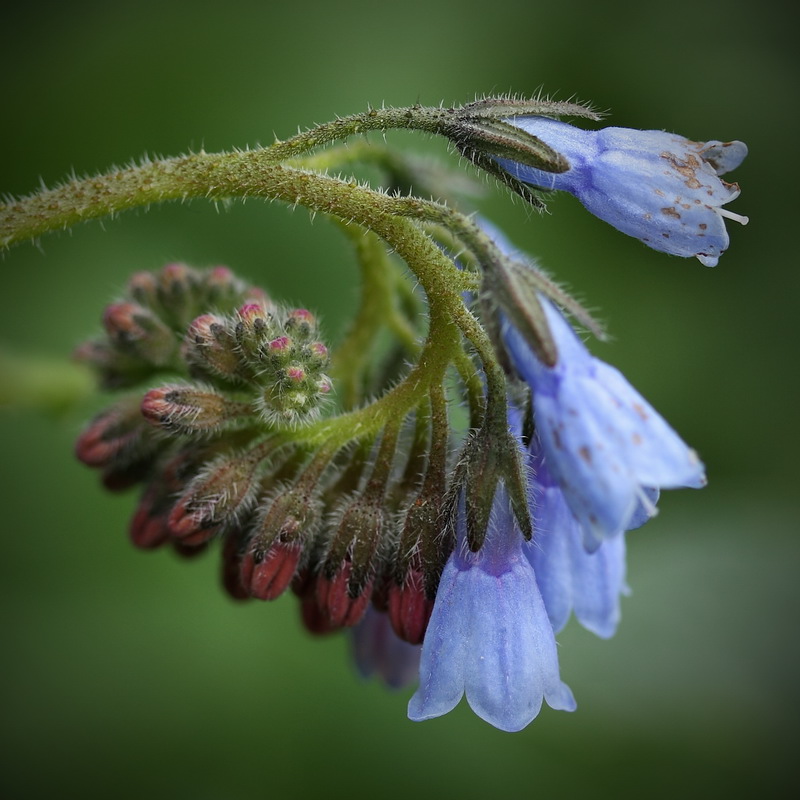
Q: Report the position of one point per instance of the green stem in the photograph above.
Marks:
(377, 309)
(439, 351)
(252, 174)
(420, 118)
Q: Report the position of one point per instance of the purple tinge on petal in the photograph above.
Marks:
(489, 636)
(377, 650)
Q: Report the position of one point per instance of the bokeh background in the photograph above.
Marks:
(129, 674)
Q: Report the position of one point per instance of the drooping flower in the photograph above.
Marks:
(604, 444)
(489, 636)
(379, 651)
(571, 579)
(656, 186)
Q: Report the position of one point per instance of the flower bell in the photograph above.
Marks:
(607, 447)
(489, 636)
(658, 187)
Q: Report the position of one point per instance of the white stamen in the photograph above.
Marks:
(723, 212)
(648, 505)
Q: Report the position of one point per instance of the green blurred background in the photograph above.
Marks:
(129, 674)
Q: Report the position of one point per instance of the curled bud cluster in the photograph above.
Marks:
(216, 450)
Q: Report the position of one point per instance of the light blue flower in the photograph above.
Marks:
(378, 651)
(570, 578)
(489, 636)
(604, 444)
(658, 187)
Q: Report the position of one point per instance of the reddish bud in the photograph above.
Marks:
(267, 575)
(185, 550)
(338, 602)
(231, 566)
(315, 620)
(223, 491)
(409, 607)
(275, 550)
(148, 526)
(114, 438)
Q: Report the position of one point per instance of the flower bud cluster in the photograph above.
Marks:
(219, 451)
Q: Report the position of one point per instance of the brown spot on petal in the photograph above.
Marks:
(585, 454)
(640, 411)
(637, 439)
(702, 226)
(671, 212)
(686, 168)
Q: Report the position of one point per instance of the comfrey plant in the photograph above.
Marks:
(452, 496)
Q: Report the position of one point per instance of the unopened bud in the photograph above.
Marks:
(315, 620)
(189, 409)
(221, 493)
(114, 370)
(222, 289)
(209, 345)
(143, 288)
(317, 355)
(148, 526)
(278, 542)
(410, 606)
(348, 572)
(337, 602)
(116, 437)
(232, 553)
(136, 331)
(301, 323)
(179, 293)
(254, 329)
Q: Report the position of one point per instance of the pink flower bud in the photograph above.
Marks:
(295, 373)
(189, 409)
(301, 322)
(210, 346)
(281, 345)
(136, 331)
(318, 356)
(218, 495)
(143, 288)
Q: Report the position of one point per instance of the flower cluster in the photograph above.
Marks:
(454, 553)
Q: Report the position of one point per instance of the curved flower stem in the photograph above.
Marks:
(474, 387)
(438, 352)
(377, 310)
(250, 174)
(416, 117)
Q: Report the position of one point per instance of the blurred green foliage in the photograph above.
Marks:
(131, 675)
